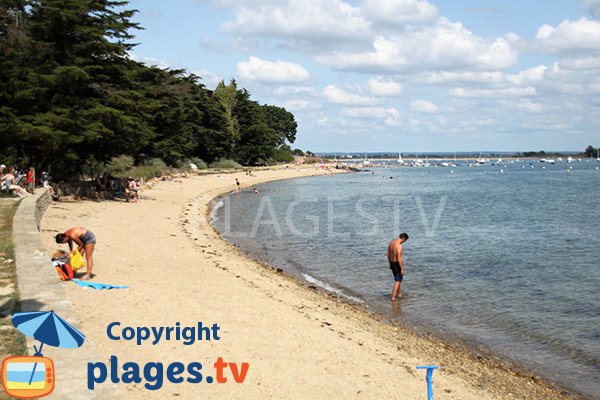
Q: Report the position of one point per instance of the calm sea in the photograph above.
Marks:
(504, 257)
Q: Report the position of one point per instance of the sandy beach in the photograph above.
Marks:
(300, 343)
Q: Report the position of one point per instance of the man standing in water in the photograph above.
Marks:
(396, 263)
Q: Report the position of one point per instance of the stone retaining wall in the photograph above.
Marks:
(41, 290)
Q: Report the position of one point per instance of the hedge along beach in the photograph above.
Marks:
(299, 343)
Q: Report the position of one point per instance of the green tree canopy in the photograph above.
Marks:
(71, 96)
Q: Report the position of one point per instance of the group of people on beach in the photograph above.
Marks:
(23, 184)
(86, 242)
(107, 188)
(10, 179)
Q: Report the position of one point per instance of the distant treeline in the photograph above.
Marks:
(71, 98)
(589, 152)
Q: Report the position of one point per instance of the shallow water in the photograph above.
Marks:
(505, 260)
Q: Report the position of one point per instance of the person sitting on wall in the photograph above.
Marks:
(8, 183)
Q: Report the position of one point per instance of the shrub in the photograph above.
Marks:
(199, 162)
(225, 164)
(149, 168)
(147, 171)
(313, 160)
(280, 155)
(186, 164)
(119, 166)
(155, 162)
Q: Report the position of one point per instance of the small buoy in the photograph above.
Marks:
(452, 171)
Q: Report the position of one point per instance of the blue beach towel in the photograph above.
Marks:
(97, 285)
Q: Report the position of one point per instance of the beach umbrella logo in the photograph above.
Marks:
(33, 376)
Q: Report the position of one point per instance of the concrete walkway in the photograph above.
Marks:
(41, 290)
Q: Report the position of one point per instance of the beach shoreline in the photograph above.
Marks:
(464, 350)
(318, 335)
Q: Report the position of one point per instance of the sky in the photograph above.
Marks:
(396, 75)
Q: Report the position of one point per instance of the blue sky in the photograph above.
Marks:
(397, 75)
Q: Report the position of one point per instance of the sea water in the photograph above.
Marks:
(504, 257)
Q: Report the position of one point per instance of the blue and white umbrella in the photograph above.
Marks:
(48, 328)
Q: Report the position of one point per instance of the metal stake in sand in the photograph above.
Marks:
(429, 369)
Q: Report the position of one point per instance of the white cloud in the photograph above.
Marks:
(209, 79)
(529, 106)
(396, 12)
(445, 77)
(578, 64)
(323, 121)
(580, 35)
(298, 19)
(414, 123)
(336, 95)
(297, 105)
(529, 76)
(264, 71)
(157, 62)
(508, 92)
(445, 46)
(409, 49)
(593, 6)
(293, 90)
(478, 122)
(371, 112)
(423, 106)
(384, 88)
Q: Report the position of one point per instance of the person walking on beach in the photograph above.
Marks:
(237, 183)
(31, 180)
(396, 263)
(85, 240)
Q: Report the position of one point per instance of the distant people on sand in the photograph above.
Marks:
(237, 183)
(8, 181)
(31, 180)
(85, 241)
(394, 254)
(133, 190)
(138, 188)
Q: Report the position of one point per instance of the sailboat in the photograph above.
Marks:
(400, 160)
(366, 162)
(427, 163)
(598, 155)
